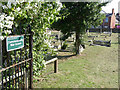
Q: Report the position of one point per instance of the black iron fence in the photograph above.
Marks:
(16, 69)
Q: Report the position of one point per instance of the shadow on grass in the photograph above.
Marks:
(65, 57)
(63, 50)
(48, 73)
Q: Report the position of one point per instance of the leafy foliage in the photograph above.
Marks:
(78, 17)
(64, 46)
(39, 15)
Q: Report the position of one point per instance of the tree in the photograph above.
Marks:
(79, 16)
(39, 15)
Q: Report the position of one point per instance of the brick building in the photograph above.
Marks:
(109, 21)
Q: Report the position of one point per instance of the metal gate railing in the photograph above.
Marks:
(16, 70)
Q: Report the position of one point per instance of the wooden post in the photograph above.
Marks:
(31, 56)
(59, 41)
(1, 63)
(25, 79)
(55, 66)
(101, 31)
(110, 31)
(1, 7)
(87, 32)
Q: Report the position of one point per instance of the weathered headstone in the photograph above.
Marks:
(81, 48)
(88, 32)
(102, 43)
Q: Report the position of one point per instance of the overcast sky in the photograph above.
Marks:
(113, 4)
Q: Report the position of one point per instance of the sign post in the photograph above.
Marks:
(14, 42)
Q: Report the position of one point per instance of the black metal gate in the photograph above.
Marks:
(16, 69)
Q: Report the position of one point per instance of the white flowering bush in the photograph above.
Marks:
(6, 23)
(39, 15)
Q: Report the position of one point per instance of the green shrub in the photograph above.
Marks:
(64, 46)
(117, 24)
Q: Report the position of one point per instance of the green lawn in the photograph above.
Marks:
(96, 67)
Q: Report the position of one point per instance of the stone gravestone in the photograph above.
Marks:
(81, 48)
(88, 32)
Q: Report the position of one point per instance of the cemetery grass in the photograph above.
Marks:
(96, 67)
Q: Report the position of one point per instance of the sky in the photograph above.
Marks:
(113, 4)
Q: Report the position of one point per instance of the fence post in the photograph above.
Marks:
(1, 63)
(55, 66)
(30, 56)
(1, 52)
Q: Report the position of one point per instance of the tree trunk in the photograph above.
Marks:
(77, 43)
